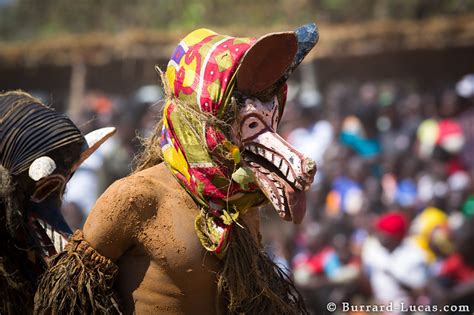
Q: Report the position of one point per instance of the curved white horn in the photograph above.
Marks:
(41, 167)
(94, 140)
(94, 137)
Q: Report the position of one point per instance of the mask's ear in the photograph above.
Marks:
(41, 168)
(267, 65)
(266, 62)
(307, 37)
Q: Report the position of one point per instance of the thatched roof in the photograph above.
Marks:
(335, 41)
(395, 36)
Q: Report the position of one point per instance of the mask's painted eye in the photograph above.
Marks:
(253, 125)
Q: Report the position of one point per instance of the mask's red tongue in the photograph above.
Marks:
(289, 203)
(297, 204)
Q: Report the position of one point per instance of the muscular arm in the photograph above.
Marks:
(119, 213)
(81, 278)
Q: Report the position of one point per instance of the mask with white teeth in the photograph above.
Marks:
(281, 171)
(225, 99)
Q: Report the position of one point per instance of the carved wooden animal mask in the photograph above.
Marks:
(281, 171)
(214, 81)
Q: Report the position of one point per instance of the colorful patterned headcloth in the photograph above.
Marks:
(200, 78)
(202, 68)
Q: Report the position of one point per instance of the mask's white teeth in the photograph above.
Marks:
(56, 238)
(291, 178)
(276, 160)
(269, 156)
(41, 223)
(274, 190)
(284, 169)
(59, 242)
(50, 232)
(281, 203)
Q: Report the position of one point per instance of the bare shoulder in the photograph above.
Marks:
(118, 214)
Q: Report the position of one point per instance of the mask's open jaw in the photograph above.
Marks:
(281, 171)
(50, 240)
(278, 180)
(48, 227)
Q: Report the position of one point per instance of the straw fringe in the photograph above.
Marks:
(251, 283)
(78, 281)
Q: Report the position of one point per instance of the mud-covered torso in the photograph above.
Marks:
(163, 269)
(171, 270)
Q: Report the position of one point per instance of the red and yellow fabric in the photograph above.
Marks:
(201, 77)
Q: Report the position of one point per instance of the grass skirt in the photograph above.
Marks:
(78, 281)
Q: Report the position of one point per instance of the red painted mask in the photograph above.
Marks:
(282, 172)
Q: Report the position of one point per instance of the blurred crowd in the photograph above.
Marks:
(135, 117)
(390, 215)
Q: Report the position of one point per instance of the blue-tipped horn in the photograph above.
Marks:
(307, 36)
